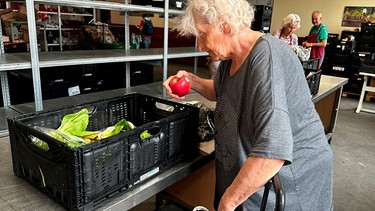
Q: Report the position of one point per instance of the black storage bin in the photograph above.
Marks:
(368, 28)
(341, 59)
(141, 73)
(368, 39)
(85, 177)
(313, 80)
(346, 34)
(364, 47)
(311, 64)
(367, 67)
(332, 37)
(339, 70)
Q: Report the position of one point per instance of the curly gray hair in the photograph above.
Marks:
(291, 19)
(237, 13)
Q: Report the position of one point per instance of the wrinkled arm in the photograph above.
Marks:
(254, 174)
(204, 87)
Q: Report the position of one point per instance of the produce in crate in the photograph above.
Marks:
(145, 134)
(72, 130)
(70, 140)
(85, 178)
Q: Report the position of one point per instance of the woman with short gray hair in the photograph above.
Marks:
(265, 121)
(289, 25)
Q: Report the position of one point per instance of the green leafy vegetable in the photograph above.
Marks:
(75, 122)
(145, 134)
(113, 130)
(72, 130)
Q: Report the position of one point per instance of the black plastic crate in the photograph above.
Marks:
(339, 70)
(85, 177)
(311, 64)
(368, 28)
(313, 80)
(367, 67)
(141, 73)
(369, 39)
(364, 47)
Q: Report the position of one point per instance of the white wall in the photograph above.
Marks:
(332, 13)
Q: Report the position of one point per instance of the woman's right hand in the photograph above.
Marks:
(179, 74)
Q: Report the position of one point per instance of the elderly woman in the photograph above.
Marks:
(265, 120)
(286, 33)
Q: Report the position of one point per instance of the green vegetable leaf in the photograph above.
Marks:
(75, 122)
(145, 134)
(113, 130)
(84, 133)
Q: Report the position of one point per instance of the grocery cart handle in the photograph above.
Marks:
(280, 195)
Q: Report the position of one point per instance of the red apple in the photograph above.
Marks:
(180, 86)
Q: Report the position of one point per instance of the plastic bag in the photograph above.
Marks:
(302, 52)
(206, 128)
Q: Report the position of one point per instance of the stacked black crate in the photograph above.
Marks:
(57, 80)
(341, 54)
(364, 50)
(88, 79)
(141, 73)
(366, 41)
(341, 59)
(329, 52)
(355, 81)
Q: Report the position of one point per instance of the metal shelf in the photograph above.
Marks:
(20, 61)
(65, 13)
(103, 5)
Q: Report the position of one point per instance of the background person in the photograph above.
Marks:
(289, 25)
(146, 38)
(265, 120)
(317, 38)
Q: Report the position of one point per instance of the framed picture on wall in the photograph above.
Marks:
(353, 16)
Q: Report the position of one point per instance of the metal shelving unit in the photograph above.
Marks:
(35, 60)
(59, 27)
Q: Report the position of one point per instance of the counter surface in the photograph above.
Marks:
(17, 194)
(328, 84)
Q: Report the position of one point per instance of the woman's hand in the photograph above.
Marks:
(166, 83)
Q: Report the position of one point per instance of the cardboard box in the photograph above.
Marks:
(2, 12)
(6, 39)
(8, 16)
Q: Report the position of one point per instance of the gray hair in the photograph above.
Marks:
(237, 13)
(291, 19)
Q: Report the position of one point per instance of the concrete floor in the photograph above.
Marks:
(353, 144)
